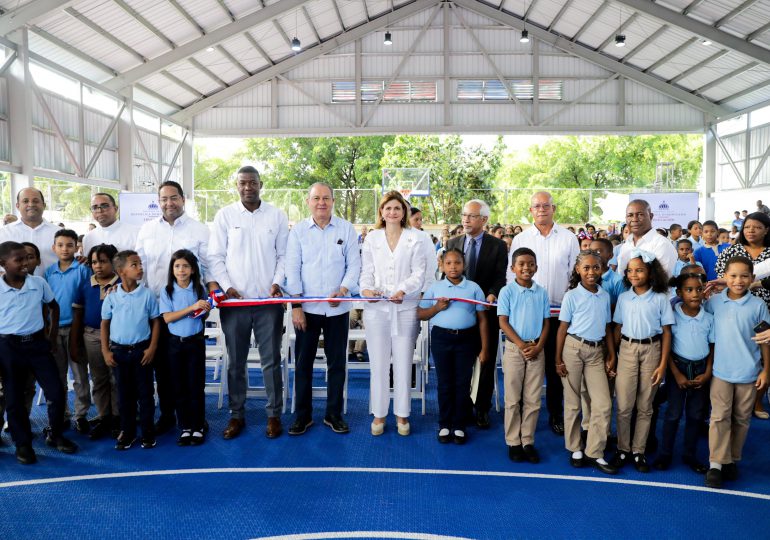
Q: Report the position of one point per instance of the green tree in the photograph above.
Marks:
(214, 183)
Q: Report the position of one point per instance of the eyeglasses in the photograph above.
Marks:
(470, 216)
(103, 207)
(173, 198)
(544, 206)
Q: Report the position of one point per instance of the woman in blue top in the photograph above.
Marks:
(184, 295)
(458, 336)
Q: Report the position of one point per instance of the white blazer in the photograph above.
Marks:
(402, 269)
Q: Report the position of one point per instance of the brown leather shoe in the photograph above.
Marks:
(274, 428)
(234, 428)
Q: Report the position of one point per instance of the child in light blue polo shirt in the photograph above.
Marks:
(525, 315)
(179, 300)
(130, 332)
(458, 335)
(741, 369)
(65, 277)
(684, 251)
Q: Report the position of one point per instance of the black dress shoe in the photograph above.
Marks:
(714, 478)
(444, 436)
(557, 425)
(25, 454)
(640, 463)
(300, 426)
(482, 419)
(516, 453)
(82, 426)
(61, 443)
(606, 468)
(164, 425)
(729, 472)
(578, 463)
(459, 436)
(531, 453)
(99, 429)
(337, 424)
(662, 462)
(620, 459)
(695, 465)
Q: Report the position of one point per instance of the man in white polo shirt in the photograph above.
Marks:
(643, 236)
(109, 229)
(32, 227)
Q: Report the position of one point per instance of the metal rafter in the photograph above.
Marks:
(529, 8)
(558, 16)
(234, 61)
(306, 55)
(72, 12)
(758, 32)
(219, 35)
(689, 24)
(258, 48)
(183, 12)
(16, 18)
(597, 58)
(366, 11)
(692, 6)
(591, 19)
(726, 77)
(625, 24)
(182, 84)
(734, 13)
(163, 99)
(679, 50)
(226, 10)
(751, 89)
(700, 65)
(280, 30)
(73, 50)
(310, 23)
(144, 22)
(652, 37)
(206, 71)
(339, 15)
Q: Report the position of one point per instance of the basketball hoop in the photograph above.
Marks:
(405, 193)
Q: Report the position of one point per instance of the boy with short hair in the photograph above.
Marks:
(525, 314)
(723, 236)
(674, 233)
(129, 331)
(612, 282)
(64, 278)
(26, 347)
(684, 249)
(707, 255)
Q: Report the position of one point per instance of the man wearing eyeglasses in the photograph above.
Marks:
(109, 229)
(556, 249)
(485, 258)
(158, 239)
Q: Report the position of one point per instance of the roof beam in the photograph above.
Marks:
(558, 16)
(214, 37)
(652, 37)
(751, 89)
(300, 58)
(144, 22)
(183, 12)
(258, 48)
(758, 32)
(339, 15)
(734, 13)
(689, 24)
(234, 61)
(16, 18)
(207, 72)
(182, 84)
(226, 10)
(679, 50)
(597, 58)
(726, 77)
(692, 6)
(104, 33)
(73, 50)
(700, 65)
(312, 26)
(625, 24)
(591, 19)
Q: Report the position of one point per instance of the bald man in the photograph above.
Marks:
(31, 227)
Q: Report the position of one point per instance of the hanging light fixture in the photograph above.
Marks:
(620, 39)
(388, 39)
(296, 46)
(524, 36)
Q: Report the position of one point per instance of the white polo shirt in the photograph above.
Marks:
(41, 236)
(121, 235)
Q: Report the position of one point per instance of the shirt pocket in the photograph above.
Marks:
(236, 240)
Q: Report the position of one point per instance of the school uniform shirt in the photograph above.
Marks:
(64, 286)
(459, 315)
(119, 234)
(691, 335)
(42, 236)
(612, 282)
(654, 243)
(158, 240)
(248, 249)
(89, 298)
(525, 308)
(681, 264)
(321, 261)
(643, 316)
(706, 256)
(588, 313)
(556, 254)
(21, 310)
(431, 261)
(130, 314)
(737, 359)
(182, 298)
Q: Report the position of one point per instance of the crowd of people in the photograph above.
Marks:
(621, 319)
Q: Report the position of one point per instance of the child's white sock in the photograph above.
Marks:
(717, 466)
(601, 461)
(577, 455)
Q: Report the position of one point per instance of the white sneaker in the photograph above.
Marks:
(403, 429)
(378, 429)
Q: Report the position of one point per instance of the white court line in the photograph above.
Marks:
(362, 534)
(441, 472)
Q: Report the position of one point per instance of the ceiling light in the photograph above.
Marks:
(524, 37)
(706, 42)
(209, 49)
(620, 40)
(296, 46)
(388, 39)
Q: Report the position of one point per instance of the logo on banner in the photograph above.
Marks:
(663, 206)
(152, 206)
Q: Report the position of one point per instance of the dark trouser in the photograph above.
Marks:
(162, 369)
(554, 391)
(134, 382)
(487, 375)
(335, 331)
(454, 356)
(692, 401)
(187, 360)
(17, 360)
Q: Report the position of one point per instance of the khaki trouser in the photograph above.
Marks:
(79, 368)
(105, 391)
(585, 402)
(633, 387)
(585, 363)
(523, 381)
(731, 408)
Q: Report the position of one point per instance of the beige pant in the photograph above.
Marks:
(731, 408)
(585, 363)
(523, 386)
(633, 387)
(105, 391)
(585, 403)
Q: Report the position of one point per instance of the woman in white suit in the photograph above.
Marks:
(393, 268)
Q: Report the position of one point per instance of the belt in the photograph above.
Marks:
(40, 334)
(645, 341)
(587, 341)
(454, 332)
(120, 347)
(186, 339)
(526, 341)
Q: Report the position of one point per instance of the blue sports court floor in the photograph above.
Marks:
(323, 485)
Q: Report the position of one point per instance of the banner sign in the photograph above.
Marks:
(670, 208)
(137, 208)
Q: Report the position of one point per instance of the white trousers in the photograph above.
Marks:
(389, 342)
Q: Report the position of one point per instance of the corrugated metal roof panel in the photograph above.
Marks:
(194, 77)
(324, 18)
(207, 13)
(352, 12)
(163, 16)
